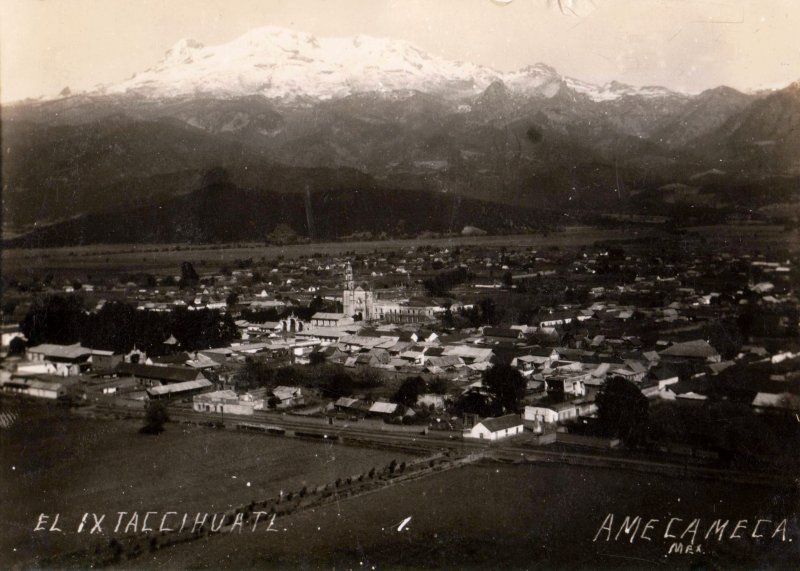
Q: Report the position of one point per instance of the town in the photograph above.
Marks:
(625, 343)
(400, 285)
(666, 354)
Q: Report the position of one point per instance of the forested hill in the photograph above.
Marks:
(222, 212)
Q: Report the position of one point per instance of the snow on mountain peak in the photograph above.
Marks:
(182, 51)
(281, 63)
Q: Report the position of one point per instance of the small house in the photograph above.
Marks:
(497, 428)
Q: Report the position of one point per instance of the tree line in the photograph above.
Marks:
(119, 326)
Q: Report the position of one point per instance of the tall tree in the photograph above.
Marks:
(54, 319)
(155, 417)
(409, 391)
(439, 385)
(474, 402)
(189, 276)
(507, 385)
(622, 410)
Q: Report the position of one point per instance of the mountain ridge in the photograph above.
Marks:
(220, 211)
(529, 138)
(284, 64)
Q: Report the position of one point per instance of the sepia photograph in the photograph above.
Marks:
(400, 284)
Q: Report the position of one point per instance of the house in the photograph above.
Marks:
(252, 330)
(785, 401)
(61, 360)
(322, 319)
(470, 355)
(179, 389)
(345, 403)
(566, 411)
(355, 343)
(597, 375)
(201, 361)
(367, 359)
(351, 406)
(540, 414)
(494, 429)
(414, 354)
(697, 350)
(34, 388)
(566, 384)
(9, 333)
(226, 401)
(688, 390)
(633, 372)
(325, 335)
(526, 364)
(537, 358)
(384, 409)
(288, 396)
(104, 360)
(492, 334)
(554, 318)
(664, 375)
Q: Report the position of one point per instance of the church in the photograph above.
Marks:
(360, 303)
(357, 302)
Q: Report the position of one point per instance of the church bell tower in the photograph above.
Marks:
(356, 301)
(349, 283)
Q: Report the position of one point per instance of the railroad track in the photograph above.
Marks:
(510, 451)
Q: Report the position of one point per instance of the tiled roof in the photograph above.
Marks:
(501, 422)
(61, 351)
(697, 348)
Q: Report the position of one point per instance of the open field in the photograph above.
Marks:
(749, 238)
(507, 517)
(56, 463)
(166, 258)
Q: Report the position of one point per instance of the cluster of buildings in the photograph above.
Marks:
(668, 326)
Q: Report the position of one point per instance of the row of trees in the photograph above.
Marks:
(333, 381)
(119, 326)
(440, 284)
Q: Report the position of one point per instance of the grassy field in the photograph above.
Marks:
(504, 517)
(55, 463)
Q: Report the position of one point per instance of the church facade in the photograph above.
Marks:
(357, 302)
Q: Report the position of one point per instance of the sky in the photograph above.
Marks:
(687, 45)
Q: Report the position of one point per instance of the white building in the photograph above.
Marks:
(34, 388)
(226, 401)
(541, 414)
(61, 360)
(495, 428)
(288, 396)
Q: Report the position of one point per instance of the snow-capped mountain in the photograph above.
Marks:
(290, 113)
(279, 63)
